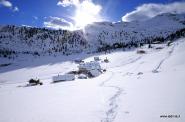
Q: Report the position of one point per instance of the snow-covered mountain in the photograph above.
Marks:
(38, 41)
(94, 37)
(122, 32)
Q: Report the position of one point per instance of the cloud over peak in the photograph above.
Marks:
(150, 10)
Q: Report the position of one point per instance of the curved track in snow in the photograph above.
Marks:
(113, 105)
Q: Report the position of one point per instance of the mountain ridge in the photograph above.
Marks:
(99, 36)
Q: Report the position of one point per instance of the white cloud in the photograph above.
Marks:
(58, 23)
(150, 10)
(66, 3)
(6, 3)
(86, 11)
(16, 9)
(35, 17)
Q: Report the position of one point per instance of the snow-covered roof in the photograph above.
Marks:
(90, 65)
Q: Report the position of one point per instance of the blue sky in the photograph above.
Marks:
(42, 13)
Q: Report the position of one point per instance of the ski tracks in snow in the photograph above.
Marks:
(156, 70)
(130, 61)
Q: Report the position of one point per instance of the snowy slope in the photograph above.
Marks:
(135, 88)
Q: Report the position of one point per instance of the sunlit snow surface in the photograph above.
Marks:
(135, 88)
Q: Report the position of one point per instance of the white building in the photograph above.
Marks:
(65, 77)
(92, 68)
